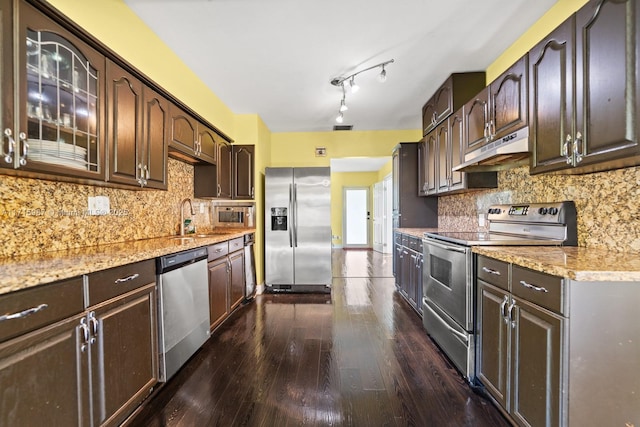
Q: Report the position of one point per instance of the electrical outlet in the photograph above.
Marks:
(481, 220)
(98, 205)
(201, 208)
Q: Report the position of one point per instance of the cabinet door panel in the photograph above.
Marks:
(428, 116)
(124, 123)
(237, 277)
(607, 60)
(56, 395)
(224, 170)
(456, 141)
(422, 168)
(155, 137)
(243, 167)
(208, 144)
(551, 93)
(431, 149)
(493, 342)
(441, 157)
(475, 121)
(124, 355)
(443, 100)
(509, 106)
(218, 290)
(183, 131)
(536, 357)
(6, 81)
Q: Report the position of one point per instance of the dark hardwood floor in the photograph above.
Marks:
(357, 357)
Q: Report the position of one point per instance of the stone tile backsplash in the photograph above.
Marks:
(39, 215)
(607, 203)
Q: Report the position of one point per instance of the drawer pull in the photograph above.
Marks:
(490, 271)
(127, 279)
(218, 250)
(533, 287)
(22, 314)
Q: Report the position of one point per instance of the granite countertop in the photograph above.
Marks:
(576, 263)
(416, 232)
(22, 272)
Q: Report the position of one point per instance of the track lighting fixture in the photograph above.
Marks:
(353, 87)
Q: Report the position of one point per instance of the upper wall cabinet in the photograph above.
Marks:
(190, 140)
(499, 109)
(598, 129)
(449, 97)
(243, 171)
(56, 127)
(137, 125)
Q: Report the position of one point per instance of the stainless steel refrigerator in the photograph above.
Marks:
(298, 229)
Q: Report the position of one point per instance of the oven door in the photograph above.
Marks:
(447, 280)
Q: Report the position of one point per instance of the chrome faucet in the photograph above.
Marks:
(185, 201)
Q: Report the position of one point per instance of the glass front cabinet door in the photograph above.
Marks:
(60, 87)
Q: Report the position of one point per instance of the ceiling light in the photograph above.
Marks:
(339, 81)
(343, 106)
(383, 75)
(353, 86)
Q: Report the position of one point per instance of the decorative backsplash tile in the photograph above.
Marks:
(607, 203)
(39, 215)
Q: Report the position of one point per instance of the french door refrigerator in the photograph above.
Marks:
(298, 229)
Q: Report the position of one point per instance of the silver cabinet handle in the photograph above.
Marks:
(502, 307)
(564, 151)
(491, 271)
(8, 157)
(218, 250)
(252, 193)
(127, 279)
(25, 148)
(533, 287)
(510, 314)
(94, 327)
(85, 334)
(140, 178)
(576, 147)
(24, 313)
(219, 190)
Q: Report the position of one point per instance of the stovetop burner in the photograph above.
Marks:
(534, 224)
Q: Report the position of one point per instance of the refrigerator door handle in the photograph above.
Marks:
(295, 215)
(291, 213)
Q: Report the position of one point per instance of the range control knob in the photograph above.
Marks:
(542, 211)
(553, 211)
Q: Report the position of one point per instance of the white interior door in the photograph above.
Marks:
(378, 216)
(356, 221)
(387, 240)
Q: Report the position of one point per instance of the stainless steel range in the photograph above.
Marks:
(448, 275)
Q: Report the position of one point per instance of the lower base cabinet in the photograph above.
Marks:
(71, 362)
(408, 263)
(226, 279)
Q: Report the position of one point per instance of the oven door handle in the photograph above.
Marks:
(438, 244)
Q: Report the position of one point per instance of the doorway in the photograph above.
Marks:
(356, 217)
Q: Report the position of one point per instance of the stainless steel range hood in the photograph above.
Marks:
(504, 153)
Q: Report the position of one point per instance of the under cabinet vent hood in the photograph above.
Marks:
(504, 153)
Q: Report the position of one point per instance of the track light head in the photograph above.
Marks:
(383, 75)
(340, 118)
(343, 106)
(353, 85)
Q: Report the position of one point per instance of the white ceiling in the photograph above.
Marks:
(358, 164)
(275, 58)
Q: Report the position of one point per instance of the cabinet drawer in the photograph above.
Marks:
(218, 250)
(106, 284)
(40, 306)
(236, 244)
(414, 243)
(493, 271)
(539, 288)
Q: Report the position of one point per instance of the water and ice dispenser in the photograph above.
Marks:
(279, 219)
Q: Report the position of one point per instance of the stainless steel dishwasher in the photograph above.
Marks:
(183, 296)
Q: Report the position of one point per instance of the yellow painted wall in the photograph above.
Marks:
(339, 180)
(385, 170)
(298, 148)
(547, 23)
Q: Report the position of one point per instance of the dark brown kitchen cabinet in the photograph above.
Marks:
(224, 167)
(218, 291)
(408, 208)
(422, 168)
(449, 97)
(137, 125)
(520, 340)
(408, 260)
(236, 270)
(124, 354)
(59, 99)
(243, 167)
(499, 109)
(207, 139)
(43, 331)
(184, 134)
(431, 162)
(597, 129)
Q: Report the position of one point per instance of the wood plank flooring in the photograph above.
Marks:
(357, 357)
